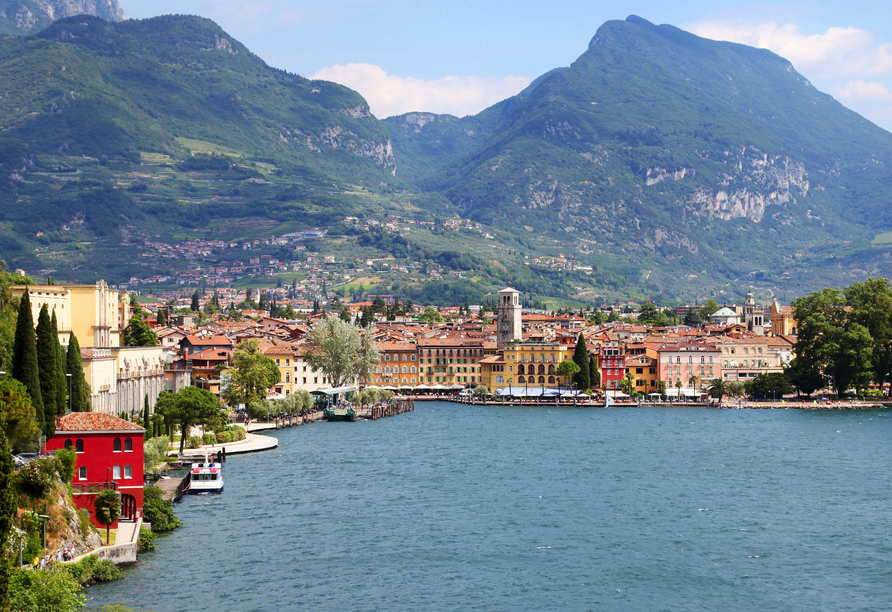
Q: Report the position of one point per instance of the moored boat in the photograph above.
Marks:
(206, 477)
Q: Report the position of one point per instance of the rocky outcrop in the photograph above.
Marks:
(751, 182)
(380, 152)
(24, 19)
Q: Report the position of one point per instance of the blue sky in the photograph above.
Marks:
(459, 57)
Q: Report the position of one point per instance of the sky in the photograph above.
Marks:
(461, 56)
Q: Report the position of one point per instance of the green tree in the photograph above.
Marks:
(146, 418)
(709, 307)
(158, 511)
(840, 347)
(80, 396)
(186, 408)
(340, 352)
(693, 317)
(718, 387)
(805, 378)
(138, 333)
(24, 360)
(252, 374)
(430, 315)
(649, 314)
(47, 367)
(345, 315)
(107, 509)
(8, 510)
(594, 375)
(52, 590)
(195, 306)
(566, 370)
(161, 319)
(628, 383)
(871, 307)
(61, 368)
(774, 385)
(582, 379)
(18, 414)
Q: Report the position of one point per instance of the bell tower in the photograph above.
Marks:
(508, 319)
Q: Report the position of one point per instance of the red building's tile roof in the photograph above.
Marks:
(94, 421)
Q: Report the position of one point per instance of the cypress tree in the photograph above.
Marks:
(46, 363)
(61, 367)
(24, 357)
(162, 320)
(594, 375)
(146, 418)
(580, 358)
(7, 513)
(75, 368)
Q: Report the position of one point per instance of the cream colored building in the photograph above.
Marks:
(119, 377)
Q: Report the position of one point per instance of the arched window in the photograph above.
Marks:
(287, 377)
(128, 444)
(500, 380)
(116, 445)
(67, 444)
(521, 379)
(542, 380)
(79, 446)
(541, 369)
(551, 369)
(551, 380)
(521, 370)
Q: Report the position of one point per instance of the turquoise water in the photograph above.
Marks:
(457, 507)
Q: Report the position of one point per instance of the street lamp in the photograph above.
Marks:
(68, 376)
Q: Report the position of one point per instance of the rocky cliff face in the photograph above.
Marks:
(31, 16)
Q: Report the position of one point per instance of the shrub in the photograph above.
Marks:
(209, 438)
(194, 442)
(158, 512)
(54, 589)
(36, 477)
(146, 539)
(106, 571)
(67, 459)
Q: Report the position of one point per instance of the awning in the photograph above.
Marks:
(439, 387)
(390, 388)
(334, 391)
(456, 387)
(616, 393)
(422, 387)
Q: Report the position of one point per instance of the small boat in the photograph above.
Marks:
(206, 477)
(339, 414)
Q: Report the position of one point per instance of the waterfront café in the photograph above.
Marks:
(336, 396)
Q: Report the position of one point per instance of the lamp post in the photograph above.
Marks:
(45, 519)
(68, 376)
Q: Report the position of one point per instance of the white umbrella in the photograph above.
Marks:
(390, 388)
(456, 387)
(439, 387)
(422, 386)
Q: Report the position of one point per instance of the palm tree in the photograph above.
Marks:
(718, 387)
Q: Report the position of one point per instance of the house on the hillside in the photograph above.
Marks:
(109, 456)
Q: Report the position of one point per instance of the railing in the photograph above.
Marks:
(93, 487)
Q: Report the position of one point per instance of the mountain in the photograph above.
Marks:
(29, 16)
(682, 156)
(667, 165)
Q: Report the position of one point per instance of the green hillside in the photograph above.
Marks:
(669, 165)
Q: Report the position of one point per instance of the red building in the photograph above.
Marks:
(612, 361)
(109, 455)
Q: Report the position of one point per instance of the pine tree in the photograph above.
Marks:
(582, 378)
(80, 400)
(62, 401)
(195, 306)
(24, 357)
(162, 319)
(146, 418)
(46, 364)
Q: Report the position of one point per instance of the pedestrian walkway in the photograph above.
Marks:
(126, 532)
(251, 444)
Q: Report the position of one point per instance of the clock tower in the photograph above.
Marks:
(508, 319)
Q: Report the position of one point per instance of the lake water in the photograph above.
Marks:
(458, 508)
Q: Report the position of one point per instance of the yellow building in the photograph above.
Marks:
(119, 377)
(96, 314)
(782, 321)
(526, 364)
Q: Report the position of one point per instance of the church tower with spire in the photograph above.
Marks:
(508, 319)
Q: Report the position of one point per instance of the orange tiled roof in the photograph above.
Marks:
(94, 421)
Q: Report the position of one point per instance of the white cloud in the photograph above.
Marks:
(838, 52)
(863, 90)
(389, 95)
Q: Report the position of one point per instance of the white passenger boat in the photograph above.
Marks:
(206, 477)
